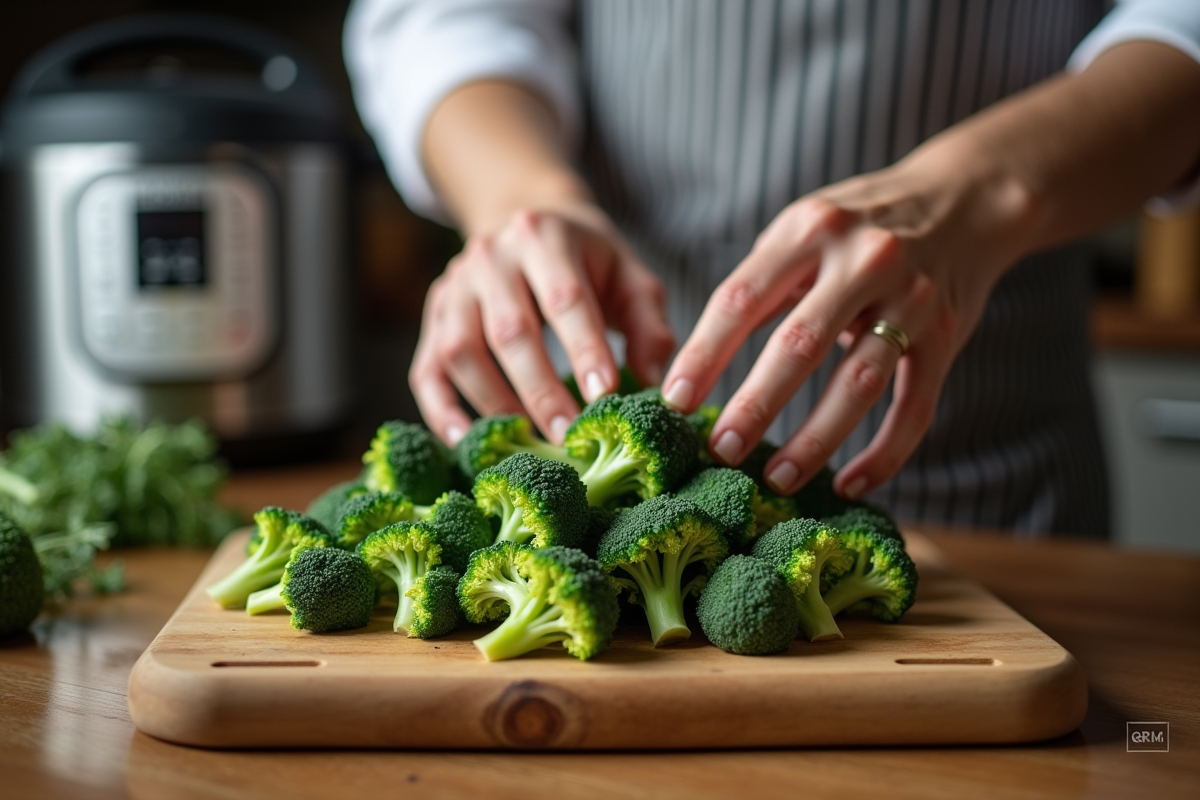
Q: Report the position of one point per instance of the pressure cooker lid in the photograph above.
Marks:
(170, 79)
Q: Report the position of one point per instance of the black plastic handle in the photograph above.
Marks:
(55, 68)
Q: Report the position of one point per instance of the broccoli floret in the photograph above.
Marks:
(327, 508)
(400, 556)
(328, 589)
(654, 544)
(861, 513)
(280, 532)
(493, 439)
(460, 527)
(810, 555)
(406, 458)
(271, 598)
(747, 608)
(883, 579)
(549, 594)
(627, 383)
(370, 512)
(632, 446)
(537, 500)
(729, 497)
(21, 590)
(435, 604)
(702, 421)
(814, 500)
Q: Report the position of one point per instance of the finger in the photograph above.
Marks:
(553, 269)
(513, 331)
(919, 380)
(787, 254)
(859, 381)
(435, 396)
(457, 341)
(635, 305)
(801, 342)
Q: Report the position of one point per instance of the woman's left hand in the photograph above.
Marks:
(920, 245)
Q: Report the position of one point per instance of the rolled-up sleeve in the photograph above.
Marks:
(404, 56)
(1172, 22)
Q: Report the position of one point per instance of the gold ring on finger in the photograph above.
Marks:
(892, 334)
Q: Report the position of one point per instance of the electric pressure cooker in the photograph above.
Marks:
(174, 199)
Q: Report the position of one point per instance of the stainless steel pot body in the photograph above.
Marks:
(94, 324)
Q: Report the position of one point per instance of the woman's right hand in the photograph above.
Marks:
(481, 330)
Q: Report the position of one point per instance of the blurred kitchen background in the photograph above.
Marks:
(1146, 320)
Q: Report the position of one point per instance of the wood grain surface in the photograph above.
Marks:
(961, 667)
(1128, 617)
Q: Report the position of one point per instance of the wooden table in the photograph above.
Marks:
(1132, 620)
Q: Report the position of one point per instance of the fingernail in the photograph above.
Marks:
(680, 394)
(855, 488)
(558, 428)
(454, 433)
(595, 386)
(729, 447)
(783, 477)
(654, 374)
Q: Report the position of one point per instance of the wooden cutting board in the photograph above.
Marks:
(961, 667)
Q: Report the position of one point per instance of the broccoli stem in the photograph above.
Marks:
(18, 487)
(409, 567)
(611, 474)
(858, 585)
(263, 568)
(816, 620)
(512, 523)
(660, 594)
(531, 625)
(264, 600)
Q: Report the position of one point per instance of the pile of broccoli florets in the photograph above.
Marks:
(547, 540)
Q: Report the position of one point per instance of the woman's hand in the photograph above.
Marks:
(483, 321)
(919, 245)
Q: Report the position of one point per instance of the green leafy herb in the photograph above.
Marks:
(124, 485)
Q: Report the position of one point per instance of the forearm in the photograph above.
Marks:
(1083, 150)
(494, 147)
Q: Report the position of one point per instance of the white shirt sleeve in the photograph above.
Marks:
(404, 56)
(1171, 22)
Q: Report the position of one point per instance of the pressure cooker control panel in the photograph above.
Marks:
(177, 275)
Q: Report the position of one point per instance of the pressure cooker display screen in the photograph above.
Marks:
(171, 249)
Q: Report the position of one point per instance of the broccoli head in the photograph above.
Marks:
(279, 532)
(21, 590)
(547, 595)
(327, 508)
(632, 446)
(662, 550)
(882, 580)
(327, 589)
(493, 439)
(459, 526)
(435, 604)
(861, 513)
(407, 458)
(817, 499)
(537, 500)
(369, 512)
(702, 421)
(400, 556)
(747, 608)
(729, 497)
(271, 598)
(811, 556)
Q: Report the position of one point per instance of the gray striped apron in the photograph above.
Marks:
(707, 117)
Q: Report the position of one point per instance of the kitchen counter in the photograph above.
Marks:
(1129, 617)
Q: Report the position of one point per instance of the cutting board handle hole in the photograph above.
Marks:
(268, 663)
(976, 662)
